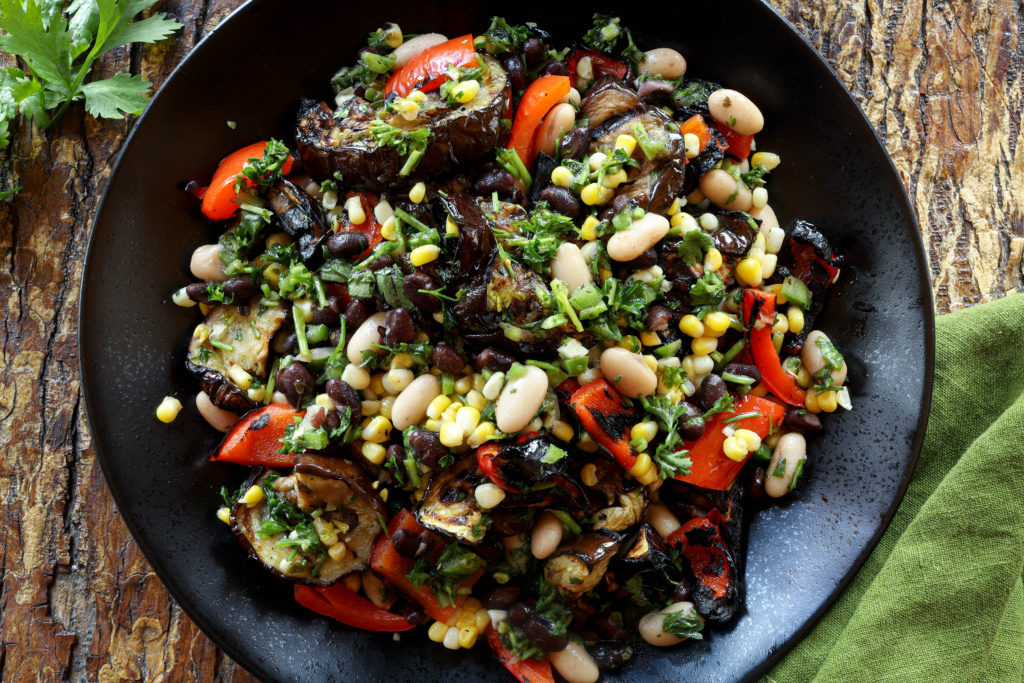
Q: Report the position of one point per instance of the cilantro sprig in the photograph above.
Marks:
(667, 413)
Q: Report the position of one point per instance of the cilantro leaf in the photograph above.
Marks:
(722, 405)
(113, 97)
(671, 462)
(693, 247)
(707, 294)
(501, 37)
(684, 624)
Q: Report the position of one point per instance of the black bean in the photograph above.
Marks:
(399, 326)
(654, 89)
(427, 446)
(347, 244)
(413, 283)
(414, 614)
(356, 313)
(448, 359)
(620, 202)
(405, 263)
(380, 262)
(658, 319)
(491, 552)
(800, 420)
(755, 486)
(557, 69)
(691, 423)
(333, 421)
(344, 395)
(426, 544)
(509, 523)
(539, 631)
(405, 542)
(395, 453)
(533, 50)
(561, 200)
(744, 370)
(610, 630)
(574, 143)
(502, 596)
(335, 337)
(643, 261)
(513, 66)
(496, 180)
(519, 613)
(711, 390)
(291, 344)
(295, 381)
(239, 289)
(197, 292)
(493, 359)
(682, 591)
(609, 654)
(329, 314)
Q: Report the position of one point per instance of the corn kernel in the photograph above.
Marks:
(417, 193)
(416, 96)
(282, 238)
(378, 429)
(467, 637)
(240, 377)
(716, 323)
(587, 444)
(482, 620)
(588, 475)
(591, 194)
(324, 401)
(588, 232)
(389, 230)
(451, 228)
(649, 477)
(708, 222)
(692, 143)
(596, 159)
(338, 551)
(562, 176)
(201, 333)
(481, 434)
(396, 380)
(759, 197)
(781, 324)
(467, 418)
(168, 409)
(424, 255)
(780, 298)
(476, 400)
(451, 638)
(437, 631)
(478, 384)
(703, 365)
(356, 377)
(432, 425)
(354, 209)
(613, 180)
(386, 405)
(803, 377)
(224, 515)
(684, 221)
(735, 449)
(673, 208)
(466, 92)
(767, 159)
(645, 430)
(451, 434)
(828, 402)
(773, 243)
(627, 143)
(751, 439)
(257, 395)
(437, 407)
(253, 496)
(377, 384)
(749, 272)
(691, 326)
(492, 388)
(369, 407)
(464, 384)
(703, 346)
(489, 495)
(768, 264)
(642, 465)
(562, 430)
(795, 315)
(650, 339)
(374, 452)
(811, 401)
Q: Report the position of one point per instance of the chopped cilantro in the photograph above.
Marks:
(693, 246)
(684, 624)
(707, 294)
(501, 37)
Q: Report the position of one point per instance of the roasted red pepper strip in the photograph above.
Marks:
(540, 96)
(697, 126)
(485, 460)
(219, 197)
(525, 670)
(711, 468)
(738, 145)
(256, 439)
(341, 604)
(394, 567)
(426, 71)
(711, 561)
(782, 384)
(601, 64)
(605, 416)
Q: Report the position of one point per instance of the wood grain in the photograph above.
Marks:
(942, 82)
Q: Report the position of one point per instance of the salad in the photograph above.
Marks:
(512, 345)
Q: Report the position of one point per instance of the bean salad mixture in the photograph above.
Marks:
(512, 344)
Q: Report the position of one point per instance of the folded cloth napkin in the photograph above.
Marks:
(940, 598)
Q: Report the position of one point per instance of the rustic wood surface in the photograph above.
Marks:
(942, 81)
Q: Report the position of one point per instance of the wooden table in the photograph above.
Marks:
(943, 83)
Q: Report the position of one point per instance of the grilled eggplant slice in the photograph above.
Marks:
(449, 504)
(341, 141)
(609, 97)
(300, 216)
(626, 514)
(350, 512)
(579, 566)
(244, 333)
(538, 484)
(647, 557)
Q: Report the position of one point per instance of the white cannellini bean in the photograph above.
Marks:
(218, 418)
(365, 337)
(410, 407)
(575, 664)
(628, 372)
(664, 62)
(652, 625)
(811, 355)
(375, 590)
(792, 448)
(767, 217)
(572, 97)
(546, 535)
(559, 120)
(723, 190)
(570, 267)
(520, 399)
(414, 46)
(734, 109)
(640, 236)
(206, 263)
(662, 519)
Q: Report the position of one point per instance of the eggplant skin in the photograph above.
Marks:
(300, 216)
(461, 136)
(449, 505)
(647, 558)
(579, 566)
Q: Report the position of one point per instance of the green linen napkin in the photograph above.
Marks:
(941, 598)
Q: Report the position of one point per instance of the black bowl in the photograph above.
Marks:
(252, 70)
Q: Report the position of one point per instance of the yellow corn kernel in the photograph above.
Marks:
(749, 271)
(354, 209)
(224, 515)
(417, 193)
(692, 143)
(201, 333)
(591, 194)
(588, 475)
(703, 346)
(168, 409)
(282, 238)
(253, 496)
(481, 434)
(673, 208)
(605, 273)
(691, 326)
(386, 404)
(613, 180)
(374, 452)
(642, 465)
(650, 339)
(437, 407)
(627, 143)
(467, 637)
(482, 620)
(803, 377)
(240, 377)
(338, 551)
(588, 232)
(437, 631)
(596, 159)
(676, 220)
(475, 399)
(647, 429)
(751, 439)
(465, 92)
(378, 429)
(781, 324)
(465, 618)
(451, 434)
(432, 425)
(467, 418)
(389, 230)
(689, 368)
(734, 448)
(780, 298)
(795, 316)
(451, 228)
(478, 385)
(649, 477)
(464, 384)
(206, 308)
(451, 411)
(377, 384)
(811, 401)
(828, 402)
(767, 159)
(369, 407)
(562, 176)
(587, 444)
(423, 255)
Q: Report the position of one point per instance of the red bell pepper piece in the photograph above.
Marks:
(540, 96)
(219, 198)
(256, 439)
(525, 670)
(711, 562)
(427, 70)
(604, 414)
(601, 64)
(697, 126)
(738, 145)
(711, 468)
(339, 603)
(761, 305)
(485, 460)
(369, 227)
(394, 567)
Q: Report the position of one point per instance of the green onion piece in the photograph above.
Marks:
(553, 321)
(221, 345)
(321, 295)
(763, 453)
(733, 351)
(576, 366)
(300, 332)
(412, 161)
(271, 382)
(545, 366)
(737, 379)
(495, 204)
(794, 289)
(447, 383)
(412, 220)
(668, 350)
(317, 333)
(413, 471)
(742, 416)
(568, 522)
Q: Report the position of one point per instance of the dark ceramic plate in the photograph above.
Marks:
(253, 70)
